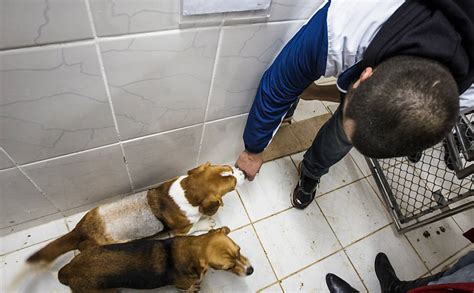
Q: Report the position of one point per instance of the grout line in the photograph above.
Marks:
(107, 89)
(340, 243)
(57, 44)
(268, 286)
(269, 216)
(241, 227)
(416, 251)
(69, 155)
(2, 150)
(456, 222)
(367, 236)
(3, 234)
(54, 45)
(19, 168)
(442, 263)
(310, 265)
(259, 240)
(211, 86)
(124, 141)
(340, 187)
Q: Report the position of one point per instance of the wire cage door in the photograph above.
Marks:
(431, 185)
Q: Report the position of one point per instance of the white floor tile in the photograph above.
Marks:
(28, 237)
(465, 220)
(452, 260)
(295, 238)
(353, 211)
(275, 288)
(32, 281)
(72, 220)
(342, 173)
(437, 241)
(309, 109)
(232, 214)
(219, 281)
(406, 263)
(360, 161)
(270, 191)
(313, 279)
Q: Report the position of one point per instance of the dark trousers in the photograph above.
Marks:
(329, 146)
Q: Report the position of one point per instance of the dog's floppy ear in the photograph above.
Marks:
(197, 269)
(224, 229)
(210, 205)
(199, 168)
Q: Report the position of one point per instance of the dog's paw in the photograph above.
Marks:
(207, 224)
(203, 225)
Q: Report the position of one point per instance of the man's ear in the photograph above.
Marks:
(199, 168)
(363, 77)
(210, 205)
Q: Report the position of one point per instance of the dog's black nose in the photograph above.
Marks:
(249, 271)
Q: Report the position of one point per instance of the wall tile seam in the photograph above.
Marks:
(211, 86)
(19, 168)
(123, 142)
(54, 45)
(107, 89)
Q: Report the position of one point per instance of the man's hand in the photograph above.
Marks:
(249, 163)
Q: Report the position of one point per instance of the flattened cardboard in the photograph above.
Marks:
(294, 138)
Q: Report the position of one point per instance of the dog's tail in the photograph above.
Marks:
(27, 273)
(50, 252)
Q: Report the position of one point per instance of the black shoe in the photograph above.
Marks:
(414, 158)
(447, 157)
(304, 192)
(338, 285)
(388, 280)
(291, 111)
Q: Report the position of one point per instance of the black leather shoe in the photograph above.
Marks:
(338, 285)
(304, 192)
(389, 282)
(388, 279)
(415, 158)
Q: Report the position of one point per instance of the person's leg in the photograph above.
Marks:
(463, 262)
(329, 146)
(389, 282)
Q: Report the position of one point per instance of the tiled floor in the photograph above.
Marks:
(291, 250)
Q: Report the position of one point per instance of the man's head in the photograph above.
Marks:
(405, 105)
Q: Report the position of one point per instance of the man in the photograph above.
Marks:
(458, 278)
(403, 70)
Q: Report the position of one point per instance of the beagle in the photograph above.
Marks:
(175, 207)
(181, 261)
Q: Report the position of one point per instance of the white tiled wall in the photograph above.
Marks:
(103, 97)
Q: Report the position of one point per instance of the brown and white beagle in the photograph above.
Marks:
(181, 261)
(176, 206)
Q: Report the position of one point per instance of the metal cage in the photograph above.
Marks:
(428, 186)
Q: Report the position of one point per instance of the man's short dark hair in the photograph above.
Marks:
(407, 105)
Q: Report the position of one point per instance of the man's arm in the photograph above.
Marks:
(301, 61)
(328, 93)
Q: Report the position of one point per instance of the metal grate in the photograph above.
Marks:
(426, 187)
